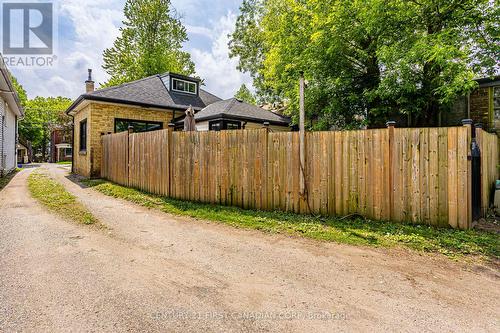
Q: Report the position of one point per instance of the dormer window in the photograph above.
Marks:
(184, 86)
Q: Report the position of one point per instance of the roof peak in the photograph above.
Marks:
(122, 85)
(161, 75)
(180, 76)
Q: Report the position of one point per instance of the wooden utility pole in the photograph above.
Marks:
(302, 135)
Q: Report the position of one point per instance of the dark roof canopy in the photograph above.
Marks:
(150, 92)
(488, 81)
(234, 109)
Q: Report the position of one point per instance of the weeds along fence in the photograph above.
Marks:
(421, 175)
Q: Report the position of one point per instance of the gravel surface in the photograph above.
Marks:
(152, 272)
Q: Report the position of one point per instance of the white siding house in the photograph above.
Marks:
(10, 112)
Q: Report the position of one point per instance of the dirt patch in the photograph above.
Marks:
(491, 224)
(160, 273)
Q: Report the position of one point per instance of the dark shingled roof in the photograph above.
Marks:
(236, 109)
(488, 81)
(149, 92)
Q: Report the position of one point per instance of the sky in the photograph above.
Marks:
(87, 27)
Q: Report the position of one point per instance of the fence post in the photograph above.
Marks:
(104, 159)
(477, 183)
(302, 135)
(130, 132)
(171, 128)
(390, 126)
(471, 183)
(265, 168)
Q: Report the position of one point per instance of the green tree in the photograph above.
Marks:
(367, 60)
(21, 93)
(245, 95)
(42, 115)
(150, 43)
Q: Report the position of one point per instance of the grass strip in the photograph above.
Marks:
(356, 231)
(55, 197)
(5, 180)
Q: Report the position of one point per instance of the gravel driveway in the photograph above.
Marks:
(151, 272)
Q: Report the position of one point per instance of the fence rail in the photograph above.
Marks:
(420, 175)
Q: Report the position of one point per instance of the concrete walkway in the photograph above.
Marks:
(152, 272)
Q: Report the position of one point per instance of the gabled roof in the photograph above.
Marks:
(149, 92)
(239, 110)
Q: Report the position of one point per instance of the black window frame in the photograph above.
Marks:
(222, 125)
(145, 122)
(186, 83)
(83, 135)
(228, 123)
(496, 105)
(66, 154)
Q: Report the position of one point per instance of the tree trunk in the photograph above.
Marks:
(430, 114)
(44, 150)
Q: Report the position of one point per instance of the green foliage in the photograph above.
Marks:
(42, 114)
(245, 95)
(150, 43)
(367, 60)
(55, 197)
(5, 180)
(21, 93)
(355, 231)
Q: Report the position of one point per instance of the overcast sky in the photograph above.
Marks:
(87, 27)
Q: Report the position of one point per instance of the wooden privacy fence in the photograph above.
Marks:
(420, 175)
(488, 145)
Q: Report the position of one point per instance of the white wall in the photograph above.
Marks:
(8, 141)
(202, 126)
(273, 128)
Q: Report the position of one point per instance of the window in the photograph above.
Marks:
(233, 125)
(122, 125)
(68, 152)
(215, 126)
(184, 86)
(496, 103)
(83, 135)
(220, 125)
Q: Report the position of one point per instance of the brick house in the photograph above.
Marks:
(234, 114)
(61, 148)
(146, 105)
(484, 104)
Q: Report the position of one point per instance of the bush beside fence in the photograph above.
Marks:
(421, 175)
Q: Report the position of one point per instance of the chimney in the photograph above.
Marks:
(90, 84)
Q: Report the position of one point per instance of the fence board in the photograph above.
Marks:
(490, 172)
(418, 175)
(115, 158)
